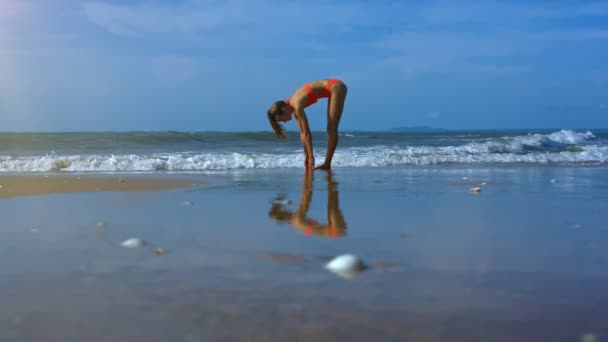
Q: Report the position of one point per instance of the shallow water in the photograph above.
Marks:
(524, 260)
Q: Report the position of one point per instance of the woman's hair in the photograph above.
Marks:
(274, 111)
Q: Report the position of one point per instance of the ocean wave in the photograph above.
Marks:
(563, 147)
(353, 157)
(534, 142)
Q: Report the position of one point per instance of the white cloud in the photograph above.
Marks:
(145, 21)
(449, 38)
(201, 19)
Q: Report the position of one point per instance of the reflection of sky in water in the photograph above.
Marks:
(522, 249)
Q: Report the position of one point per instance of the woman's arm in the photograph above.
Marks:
(306, 196)
(309, 157)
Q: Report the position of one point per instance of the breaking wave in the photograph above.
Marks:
(563, 147)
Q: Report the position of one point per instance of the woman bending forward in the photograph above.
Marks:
(282, 111)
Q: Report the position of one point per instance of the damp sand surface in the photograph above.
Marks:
(525, 259)
(15, 186)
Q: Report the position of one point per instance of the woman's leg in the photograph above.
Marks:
(335, 106)
(334, 214)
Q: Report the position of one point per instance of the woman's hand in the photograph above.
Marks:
(309, 162)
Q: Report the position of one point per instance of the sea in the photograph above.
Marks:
(194, 152)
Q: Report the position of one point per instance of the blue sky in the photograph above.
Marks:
(69, 65)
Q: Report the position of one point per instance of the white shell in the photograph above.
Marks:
(133, 243)
(475, 190)
(346, 265)
(465, 178)
(589, 338)
(284, 202)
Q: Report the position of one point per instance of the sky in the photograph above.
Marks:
(211, 65)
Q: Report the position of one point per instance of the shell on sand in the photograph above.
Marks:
(589, 338)
(475, 190)
(281, 201)
(346, 265)
(133, 243)
(159, 251)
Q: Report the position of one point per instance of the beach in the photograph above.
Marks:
(289, 171)
(524, 259)
(17, 186)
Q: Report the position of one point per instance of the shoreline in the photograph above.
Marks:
(19, 186)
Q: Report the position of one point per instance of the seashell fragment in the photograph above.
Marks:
(589, 338)
(475, 190)
(281, 201)
(346, 266)
(159, 251)
(133, 243)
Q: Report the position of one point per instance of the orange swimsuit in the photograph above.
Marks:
(311, 97)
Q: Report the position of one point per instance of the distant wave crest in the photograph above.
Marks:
(563, 147)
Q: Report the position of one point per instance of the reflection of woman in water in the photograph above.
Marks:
(336, 226)
(281, 111)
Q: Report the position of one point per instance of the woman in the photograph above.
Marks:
(282, 111)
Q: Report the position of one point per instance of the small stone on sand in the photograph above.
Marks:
(133, 243)
(159, 251)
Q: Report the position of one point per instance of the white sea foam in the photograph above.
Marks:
(533, 149)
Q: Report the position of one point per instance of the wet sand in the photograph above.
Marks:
(523, 260)
(15, 186)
